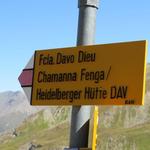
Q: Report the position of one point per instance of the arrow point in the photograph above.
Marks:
(25, 78)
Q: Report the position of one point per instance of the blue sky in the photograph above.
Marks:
(28, 25)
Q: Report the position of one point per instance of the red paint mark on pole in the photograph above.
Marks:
(25, 78)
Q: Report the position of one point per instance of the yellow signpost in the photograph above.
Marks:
(85, 149)
(94, 140)
(108, 74)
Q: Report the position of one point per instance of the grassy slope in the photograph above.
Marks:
(38, 133)
(137, 138)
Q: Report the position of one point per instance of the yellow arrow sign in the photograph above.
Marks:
(108, 74)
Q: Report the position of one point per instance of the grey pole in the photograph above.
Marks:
(86, 33)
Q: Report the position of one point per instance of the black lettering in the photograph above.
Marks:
(118, 92)
(95, 93)
(46, 60)
(64, 59)
(56, 77)
(130, 102)
(41, 58)
(58, 94)
(84, 56)
(39, 77)
(90, 75)
(113, 92)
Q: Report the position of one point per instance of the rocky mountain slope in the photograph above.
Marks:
(14, 108)
(47, 129)
(120, 128)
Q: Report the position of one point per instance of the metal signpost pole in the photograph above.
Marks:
(86, 33)
(35, 76)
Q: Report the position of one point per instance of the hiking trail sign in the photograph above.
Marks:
(107, 74)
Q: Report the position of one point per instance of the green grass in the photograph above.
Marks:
(38, 132)
(136, 137)
(27, 132)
